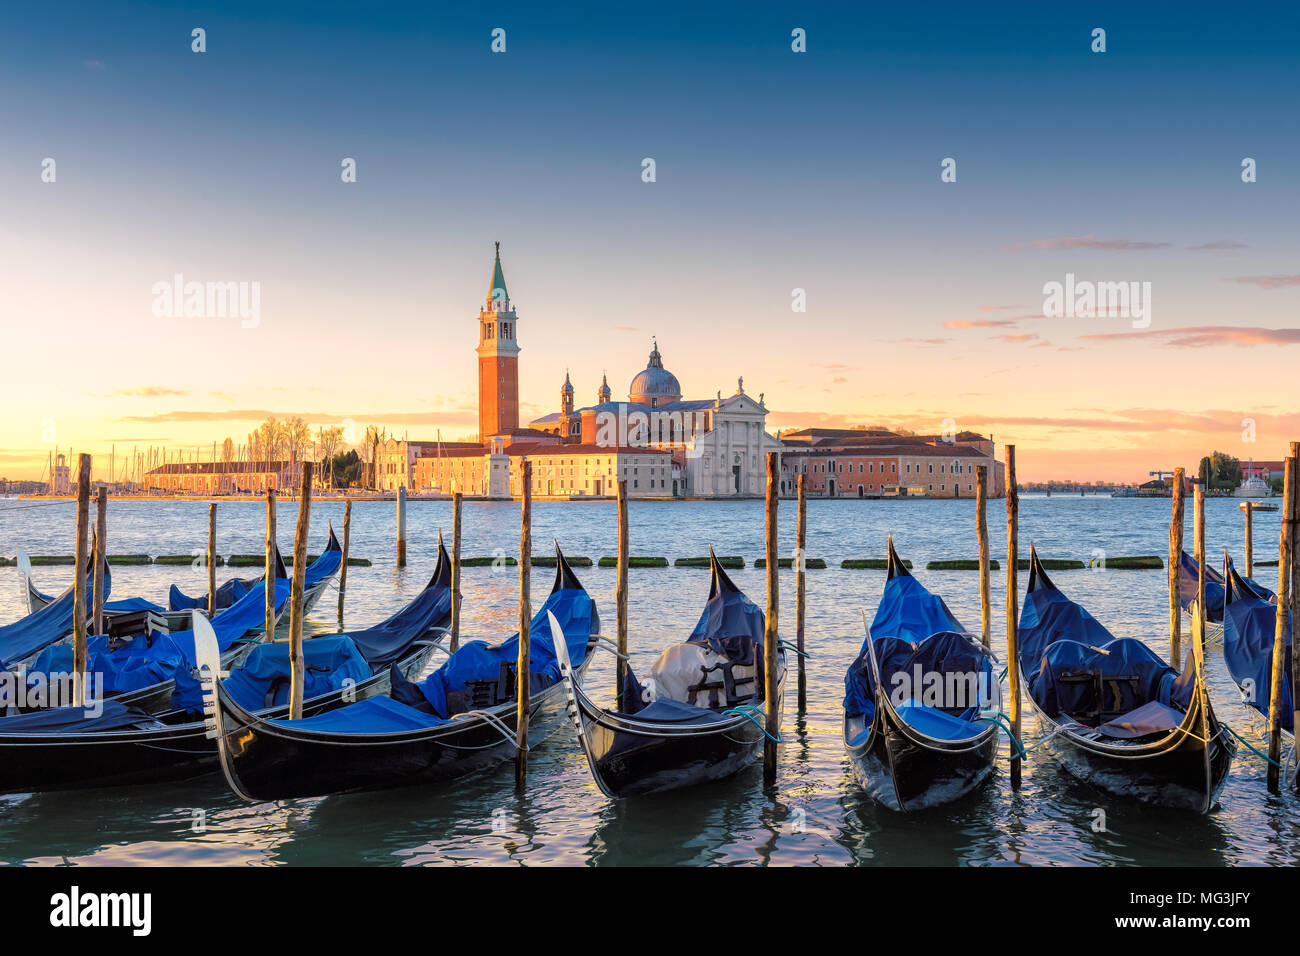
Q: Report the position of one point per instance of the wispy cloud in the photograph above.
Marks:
(1017, 337)
(916, 341)
(1219, 245)
(978, 323)
(1091, 242)
(1268, 282)
(1199, 336)
(262, 414)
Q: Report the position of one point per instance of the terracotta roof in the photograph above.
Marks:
(889, 451)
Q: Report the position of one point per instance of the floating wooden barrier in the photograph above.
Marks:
(48, 559)
(1139, 562)
(815, 563)
(963, 564)
(549, 561)
(731, 562)
(176, 559)
(133, 559)
(487, 561)
(869, 564)
(634, 561)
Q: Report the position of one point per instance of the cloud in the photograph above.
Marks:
(1218, 245)
(319, 418)
(916, 341)
(1090, 242)
(1019, 337)
(1200, 336)
(978, 323)
(1268, 282)
(149, 391)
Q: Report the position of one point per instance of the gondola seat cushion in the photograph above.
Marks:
(1097, 684)
(1152, 717)
(699, 674)
(666, 711)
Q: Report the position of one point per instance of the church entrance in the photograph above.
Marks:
(831, 486)
(735, 474)
(600, 487)
(860, 491)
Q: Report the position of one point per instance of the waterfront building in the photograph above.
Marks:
(223, 477)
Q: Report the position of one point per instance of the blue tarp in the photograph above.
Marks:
(387, 641)
(667, 711)
(1214, 589)
(1123, 658)
(262, 681)
(374, 715)
(476, 661)
(325, 565)
(1059, 638)
(947, 672)
(62, 720)
(907, 614)
(128, 605)
(227, 594)
(151, 659)
(28, 635)
(1248, 629)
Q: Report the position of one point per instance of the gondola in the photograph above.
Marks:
(914, 700)
(64, 749)
(176, 616)
(704, 720)
(1249, 627)
(139, 669)
(1215, 595)
(1115, 714)
(316, 577)
(22, 640)
(460, 719)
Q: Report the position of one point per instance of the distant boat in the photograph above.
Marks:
(1253, 488)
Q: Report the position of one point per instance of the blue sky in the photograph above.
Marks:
(775, 170)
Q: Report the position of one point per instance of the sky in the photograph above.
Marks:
(775, 171)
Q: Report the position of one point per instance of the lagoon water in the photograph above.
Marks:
(813, 815)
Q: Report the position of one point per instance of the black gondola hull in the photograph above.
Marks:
(1173, 772)
(45, 762)
(906, 774)
(273, 763)
(632, 765)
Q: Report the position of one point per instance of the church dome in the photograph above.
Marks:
(655, 385)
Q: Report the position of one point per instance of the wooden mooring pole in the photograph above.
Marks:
(297, 663)
(79, 586)
(401, 526)
(620, 593)
(1249, 508)
(1294, 595)
(1201, 694)
(100, 549)
(456, 499)
(268, 580)
(982, 538)
(771, 699)
(1285, 599)
(1175, 567)
(212, 559)
(522, 670)
(800, 586)
(343, 567)
(1013, 610)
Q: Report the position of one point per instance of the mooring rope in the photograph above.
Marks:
(749, 710)
(1263, 756)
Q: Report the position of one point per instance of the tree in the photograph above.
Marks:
(1220, 471)
(346, 468)
(375, 436)
(329, 440)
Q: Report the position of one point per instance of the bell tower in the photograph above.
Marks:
(498, 360)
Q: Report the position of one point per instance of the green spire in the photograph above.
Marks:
(498, 282)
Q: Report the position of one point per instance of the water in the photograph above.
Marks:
(813, 815)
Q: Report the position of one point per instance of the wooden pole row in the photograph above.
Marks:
(801, 545)
(771, 634)
(1175, 565)
(522, 679)
(297, 663)
(1013, 609)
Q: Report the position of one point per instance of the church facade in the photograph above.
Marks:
(718, 446)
